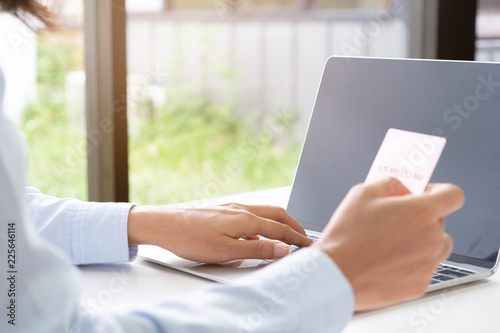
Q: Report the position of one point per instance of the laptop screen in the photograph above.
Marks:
(359, 99)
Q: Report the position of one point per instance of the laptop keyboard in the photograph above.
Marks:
(443, 273)
(446, 272)
(314, 238)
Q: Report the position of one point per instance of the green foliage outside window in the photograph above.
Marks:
(56, 147)
(189, 149)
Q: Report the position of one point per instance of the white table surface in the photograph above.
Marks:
(473, 307)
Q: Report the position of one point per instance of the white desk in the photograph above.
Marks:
(470, 308)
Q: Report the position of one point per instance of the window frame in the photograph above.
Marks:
(106, 99)
(457, 29)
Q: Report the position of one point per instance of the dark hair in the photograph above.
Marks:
(31, 12)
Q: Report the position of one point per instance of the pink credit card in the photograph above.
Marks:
(408, 156)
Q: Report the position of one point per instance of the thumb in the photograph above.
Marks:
(261, 249)
(447, 198)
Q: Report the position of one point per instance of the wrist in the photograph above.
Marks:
(147, 225)
(335, 254)
(137, 227)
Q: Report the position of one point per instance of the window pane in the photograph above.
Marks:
(222, 106)
(45, 98)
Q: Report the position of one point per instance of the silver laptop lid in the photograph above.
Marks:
(359, 99)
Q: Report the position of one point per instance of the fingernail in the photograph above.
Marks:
(281, 250)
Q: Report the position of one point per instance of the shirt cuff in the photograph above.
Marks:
(100, 233)
(313, 287)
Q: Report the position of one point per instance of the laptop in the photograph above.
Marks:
(358, 100)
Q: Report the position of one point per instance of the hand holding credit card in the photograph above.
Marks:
(408, 156)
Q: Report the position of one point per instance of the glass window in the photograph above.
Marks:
(46, 97)
(220, 106)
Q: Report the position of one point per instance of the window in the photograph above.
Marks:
(220, 92)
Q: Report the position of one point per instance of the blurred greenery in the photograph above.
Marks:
(191, 149)
(186, 150)
(56, 144)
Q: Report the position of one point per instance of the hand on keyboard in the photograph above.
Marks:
(219, 233)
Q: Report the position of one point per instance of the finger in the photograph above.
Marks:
(446, 198)
(274, 213)
(447, 248)
(441, 225)
(388, 187)
(251, 238)
(273, 230)
(260, 249)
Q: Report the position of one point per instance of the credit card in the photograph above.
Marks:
(408, 156)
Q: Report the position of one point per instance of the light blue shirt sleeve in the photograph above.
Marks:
(39, 286)
(88, 232)
(305, 292)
